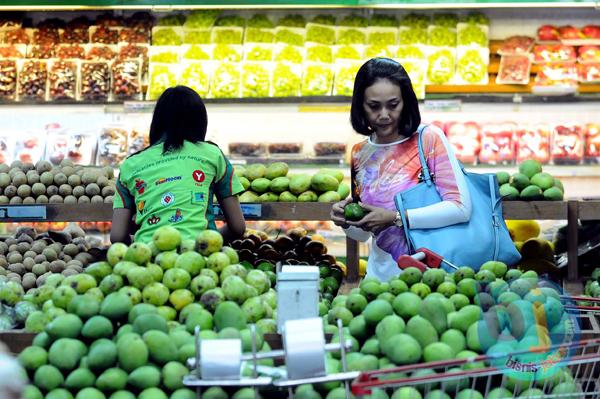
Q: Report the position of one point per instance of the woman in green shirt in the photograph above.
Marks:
(173, 181)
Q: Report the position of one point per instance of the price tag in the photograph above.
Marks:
(443, 105)
(138, 106)
(23, 212)
(248, 210)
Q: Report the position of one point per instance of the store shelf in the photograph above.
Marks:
(589, 210)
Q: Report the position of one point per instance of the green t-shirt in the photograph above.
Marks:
(176, 188)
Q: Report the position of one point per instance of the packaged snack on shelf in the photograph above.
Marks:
(45, 36)
(472, 35)
(41, 51)
(317, 79)
(133, 36)
(247, 149)
(227, 35)
(588, 54)
(441, 68)
(7, 147)
(548, 33)
(291, 36)
(17, 36)
(285, 149)
(412, 36)
(29, 146)
(76, 147)
(227, 52)
(74, 36)
(70, 51)
(196, 52)
(62, 80)
(112, 145)
(258, 52)
(8, 79)
(139, 138)
(380, 51)
(256, 79)
(348, 52)
(164, 54)
(441, 36)
(384, 21)
(33, 80)
(516, 45)
(126, 79)
(588, 73)
(465, 138)
(104, 35)
(514, 69)
(196, 36)
(286, 53)
(319, 53)
(382, 36)
(162, 76)
(13, 51)
(533, 142)
(416, 71)
(319, 33)
(226, 80)
(345, 73)
(497, 143)
(167, 36)
(348, 35)
(95, 80)
(102, 52)
(564, 75)
(329, 149)
(472, 65)
(411, 51)
(286, 79)
(195, 75)
(567, 144)
(201, 19)
(553, 53)
(592, 142)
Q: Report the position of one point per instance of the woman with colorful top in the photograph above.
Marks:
(385, 109)
(172, 182)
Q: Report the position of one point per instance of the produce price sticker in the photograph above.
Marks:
(23, 212)
(250, 211)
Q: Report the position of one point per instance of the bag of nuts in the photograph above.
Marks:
(62, 80)
(126, 79)
(32, 80)
(95, 81)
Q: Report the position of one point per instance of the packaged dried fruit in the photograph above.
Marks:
(62, 80)
(226, 81)
(256, 79)
(95, 80)
(325, 149)
(104, 35)
(7, 148)
(139, 138)
(70, 51)
(553, 53)
(195, 75)
(41, 51)
(588, 73)
(319, 53)
(17, 36)
(33, 80)
(74, 36)
(516, 45)
(317, 80)
(247, 149)
(8, 79)
(258, 52)
(533, 142)
(101, 52)
(126, 79)
(45, 36)
(29, 146)
(345, 74)
(592, 142)
(465, 138)
(164, 54)
(472, 66)
(588, 54)
(567, 143)
(112, 145)
(130, 36)
(76, 147)
(162, 76)
(514, 69)
(497, 143)
(286, 80)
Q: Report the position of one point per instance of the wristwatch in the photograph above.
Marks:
(398, 220)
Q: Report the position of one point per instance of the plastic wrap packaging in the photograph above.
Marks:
(329, 149)
(258, 52)
(195, 75)
(548, 33)
(344, 52)
(79, 148)
(100, 52)
(442, 63)
(164, 54)
(562, 75)
(227, 35)
(126, 79)
(13, 51)
(380, 51)
(247, 149)
(196, 52)
(112, 145)
(465, 138)
(285, 149)
(319, 33)
(227, 52)
(259, 35)
(139, 138)
(410, 51)
(293, 54)
(588, 54)
(41, 51)
(416, 70)
(345, 74)
(7, 147)
(134, 36)
(567, 144)
(167, 36)
(226, 81)
(33, 80)
(162, 76)
(196, 36)
(104, 35)
(441, 36)
(317, 80)
(29, 146)
(497, 143)
(286, 80)
(134, 51)
(414, 36)
(381, 36)
(74, 36)
(256, 79)
(319, 53)
(472, 66)
(514, 69)
(8, 80)
(45, 36)
(70, 51)
(516, 45)
(349, 35)
(592, 143)
(63, 80)
(290, 36)
(17, 36)
(472, 35)
(588, 73)
(553, 53)
(569, 32)
(533, 142)
(201, 19)
(95, 81)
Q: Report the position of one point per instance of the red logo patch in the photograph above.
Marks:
(198, 176)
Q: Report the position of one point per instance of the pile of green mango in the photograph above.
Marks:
(272, 183)
(530, 184)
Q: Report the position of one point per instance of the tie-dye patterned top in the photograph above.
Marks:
(380, 171)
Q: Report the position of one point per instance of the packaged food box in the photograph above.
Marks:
(533, 142)
(472, 65)
(557, 75)
(8, 79)
(285, 148)
(286, 79)
(13, 51)
(112, 145)
(126, 79)
(516, 45)
(17, 36)
(567, 143)
(226, 81)
(139, 138)
(104, 35)
(588, 73)
(465, 138)
(247, 149)
(164, 54)
(592, 143)
(317, 80)
(33, 80)
(514, 69)
(76, 147)
(41, 51)
(95, 80)
(320, 33)
(588, 54)
(327, 149)
(553, 53)
(442, 64)
(256, 79)
(70, 51)
(290, 35)
(74, 36)
(227, 52)
(102, 52)
(29, 146)
(497, 143)
(62, 80)
(195, 75)
(548, 33)
(162, 76)
(45, 36)
(345, 74)
(319, 53)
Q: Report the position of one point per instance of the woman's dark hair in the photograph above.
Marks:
(179, 115)
(372, 71)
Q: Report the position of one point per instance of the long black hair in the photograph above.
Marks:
(367, 75)
(179, 115)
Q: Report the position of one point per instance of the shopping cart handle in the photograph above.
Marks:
(431, 258)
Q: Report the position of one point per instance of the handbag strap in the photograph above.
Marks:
(425, 173)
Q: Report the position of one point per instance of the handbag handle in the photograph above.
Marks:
(426, 174)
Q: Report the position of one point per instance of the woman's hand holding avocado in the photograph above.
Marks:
(375, 219)
(337, 212)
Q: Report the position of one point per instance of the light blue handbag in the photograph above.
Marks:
(483, 238)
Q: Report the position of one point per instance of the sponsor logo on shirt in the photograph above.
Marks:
(140, 186)
(198, 176)
(177, 217)
(198, 198)
(167, 199)
(167, 180)
(141, 206)
(153, 220)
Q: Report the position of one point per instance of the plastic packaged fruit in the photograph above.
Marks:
(441, 66)
(472, 67)
(201, 19)
(317, 80)
(226, 81)
(286, 80)
(255, 80)
(289, 54)
(161, 78)
(344, 79)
